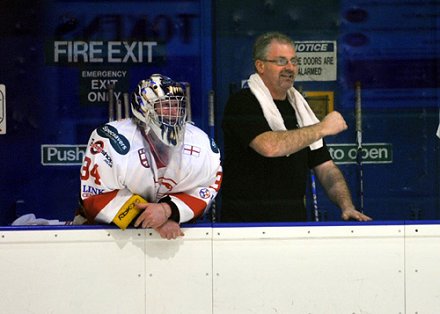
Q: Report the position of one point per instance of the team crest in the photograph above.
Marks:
(205, 193)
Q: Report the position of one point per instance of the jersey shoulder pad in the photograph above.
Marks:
(193, 134)
(118, 134)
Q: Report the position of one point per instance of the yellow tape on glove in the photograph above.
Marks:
(128, 212)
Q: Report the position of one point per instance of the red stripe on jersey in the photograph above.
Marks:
(197, 205)
(94, 204)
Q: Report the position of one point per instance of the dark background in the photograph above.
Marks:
(392, 47)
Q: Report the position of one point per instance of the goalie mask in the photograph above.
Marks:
(158, 103)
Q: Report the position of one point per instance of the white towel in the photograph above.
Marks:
(32, 220)
(304, 113)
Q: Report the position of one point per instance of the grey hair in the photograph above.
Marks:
(263, 41)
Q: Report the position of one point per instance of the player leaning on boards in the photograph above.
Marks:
(154, 170)
(272, 138)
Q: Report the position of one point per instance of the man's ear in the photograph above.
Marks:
(259, 65)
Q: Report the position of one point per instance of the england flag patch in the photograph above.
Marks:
(191, 150)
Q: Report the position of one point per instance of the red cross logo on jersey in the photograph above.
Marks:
(191, 150)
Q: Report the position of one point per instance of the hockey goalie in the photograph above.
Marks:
(154, 170)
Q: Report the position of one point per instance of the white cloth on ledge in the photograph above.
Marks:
(32, 220)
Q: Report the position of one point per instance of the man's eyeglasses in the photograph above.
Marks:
(283, 61)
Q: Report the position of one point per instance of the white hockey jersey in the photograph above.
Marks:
(119, 163)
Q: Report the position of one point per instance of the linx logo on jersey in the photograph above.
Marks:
(88, 190)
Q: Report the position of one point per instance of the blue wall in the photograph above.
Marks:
(391, 46)
(52, 97)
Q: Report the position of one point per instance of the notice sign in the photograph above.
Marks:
(316, 60)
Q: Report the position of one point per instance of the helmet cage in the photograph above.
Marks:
(170, 111)
(160, 104)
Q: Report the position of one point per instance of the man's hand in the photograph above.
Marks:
(153, 216)
(170, 230)
(333, 123)
(354, 214)
(334, 184)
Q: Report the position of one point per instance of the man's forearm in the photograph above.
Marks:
(283, 143)
(333, 182)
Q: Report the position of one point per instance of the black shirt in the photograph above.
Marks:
(257, 188)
